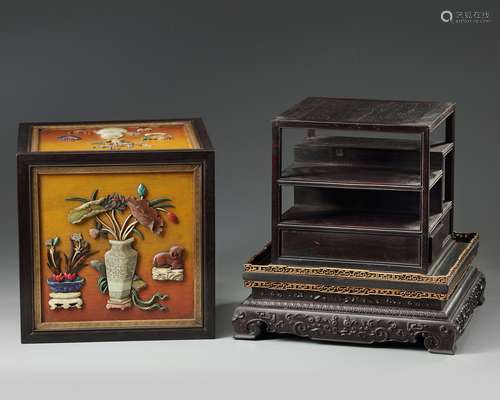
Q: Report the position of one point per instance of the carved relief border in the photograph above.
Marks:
(438, 335)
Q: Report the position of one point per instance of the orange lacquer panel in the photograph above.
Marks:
(179, 184)
(114, 137)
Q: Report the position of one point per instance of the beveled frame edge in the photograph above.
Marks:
(25, 161)
(199, 131)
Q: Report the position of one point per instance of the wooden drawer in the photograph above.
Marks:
(341, 246)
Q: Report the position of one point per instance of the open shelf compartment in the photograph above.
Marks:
(343, 209)
(376, 163)
(324, 218)
(383, 228)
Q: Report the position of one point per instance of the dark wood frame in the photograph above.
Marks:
(26, 160)
(423, 129)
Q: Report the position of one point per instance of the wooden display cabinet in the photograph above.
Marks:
(362, 212)
(385, 194)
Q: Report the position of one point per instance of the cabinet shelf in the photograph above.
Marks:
(363, 181)
(343, 162)
(355, 177)
(321, 218)
(443, 148)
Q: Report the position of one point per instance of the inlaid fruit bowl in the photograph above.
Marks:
(66, 286)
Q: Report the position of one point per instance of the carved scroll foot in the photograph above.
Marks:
(443, 342)
(247, 325)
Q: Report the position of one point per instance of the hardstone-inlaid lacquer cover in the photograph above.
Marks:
(117, 236)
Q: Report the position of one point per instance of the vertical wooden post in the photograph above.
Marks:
(450, 166)
(276, 190)
(424, 197)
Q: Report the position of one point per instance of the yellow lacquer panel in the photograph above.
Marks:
(114, 137)
(179, 183)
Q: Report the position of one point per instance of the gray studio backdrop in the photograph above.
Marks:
(238, 64)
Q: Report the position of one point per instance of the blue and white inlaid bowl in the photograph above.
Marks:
(66, 286)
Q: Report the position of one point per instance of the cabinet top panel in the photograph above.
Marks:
(186, 134)
(388, 115)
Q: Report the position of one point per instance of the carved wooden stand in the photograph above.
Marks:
(65, 300)
(363, 244)
(439, 330)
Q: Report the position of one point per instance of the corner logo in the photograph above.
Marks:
(446, 16)
(466, 17)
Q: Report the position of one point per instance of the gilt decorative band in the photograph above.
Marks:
(348, 273)
(362, 291)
